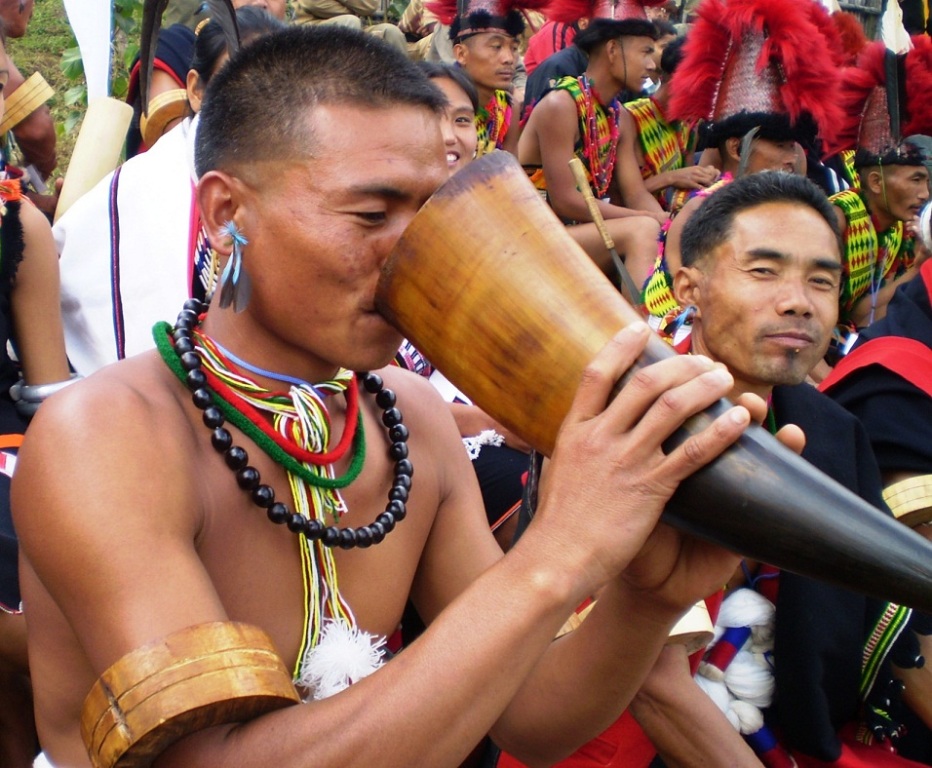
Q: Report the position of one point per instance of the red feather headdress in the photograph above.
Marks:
(571, 11)
(471, 17)
(878, 114)
(758, 63)
(851, 33)
(919, 87)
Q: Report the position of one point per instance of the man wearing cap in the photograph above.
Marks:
(485, 41)
(877, 218)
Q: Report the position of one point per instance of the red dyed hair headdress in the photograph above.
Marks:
(885, 97)
(766, 64)
(571, 11)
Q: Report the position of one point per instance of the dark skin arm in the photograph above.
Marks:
(683, 723)
(35, 134)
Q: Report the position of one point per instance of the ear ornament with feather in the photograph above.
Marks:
(235, 285)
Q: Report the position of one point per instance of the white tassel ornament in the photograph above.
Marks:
(343, 656)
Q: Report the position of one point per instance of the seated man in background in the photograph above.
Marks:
(35, 133)
(486, 43)
(355, 14)
(762, 268)
(663, 149)
(580, 118)
(876, 218)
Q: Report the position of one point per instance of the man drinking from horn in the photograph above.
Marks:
(208, 537)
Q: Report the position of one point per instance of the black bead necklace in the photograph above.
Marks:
(247, 477)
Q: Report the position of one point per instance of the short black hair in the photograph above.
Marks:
(438, 70)
(672, 56)
(602, 30)
(210, 43)
(256, 108)
(773, 126)
(663, 27)
(711, 224)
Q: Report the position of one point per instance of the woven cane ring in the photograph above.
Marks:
(198, 677)
(910, 500)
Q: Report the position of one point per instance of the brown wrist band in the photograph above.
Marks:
(198, 677)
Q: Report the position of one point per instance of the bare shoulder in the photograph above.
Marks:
(110, 438)
(550, 110)
(119, 400)
(555, 103)
(33, 221)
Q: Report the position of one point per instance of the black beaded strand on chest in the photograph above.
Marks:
(247, 476)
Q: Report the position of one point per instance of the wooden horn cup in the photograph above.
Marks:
(487, 283)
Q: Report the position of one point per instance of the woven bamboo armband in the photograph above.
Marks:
(198, 677)
(910, 500)
(25, 100)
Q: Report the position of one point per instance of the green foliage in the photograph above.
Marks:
(395, 9)
(127, 21)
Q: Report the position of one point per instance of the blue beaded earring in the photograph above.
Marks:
(235, 285)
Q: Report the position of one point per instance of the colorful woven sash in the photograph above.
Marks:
(664, 146)
(658, 289)
(870, 258)
(598, 132)
(492, 122)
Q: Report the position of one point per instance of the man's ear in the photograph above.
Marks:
(460, 53)
(873, 180)
(732, 148)
(220, 197)
(687, 287)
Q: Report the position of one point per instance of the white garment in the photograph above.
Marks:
(42, 762)
(154, 198)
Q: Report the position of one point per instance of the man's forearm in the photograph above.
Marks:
(686, 727)
(587, 678)
(428, 706)
(35, 135)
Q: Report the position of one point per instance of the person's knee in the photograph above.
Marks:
(391, 35)
(636, 238)
(347, 20)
